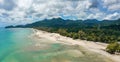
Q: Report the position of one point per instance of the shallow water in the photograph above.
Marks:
(16, 45)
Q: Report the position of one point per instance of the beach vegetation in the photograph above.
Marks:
(113, 48)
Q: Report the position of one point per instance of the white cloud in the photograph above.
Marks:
(112, 5)
(113, 16)
(24, 4)
(23, 11)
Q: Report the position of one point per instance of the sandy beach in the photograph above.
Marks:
(92, 46)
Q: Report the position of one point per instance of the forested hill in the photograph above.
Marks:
(80, 24)
(91, 29)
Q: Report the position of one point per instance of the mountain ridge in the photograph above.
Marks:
(61, 22)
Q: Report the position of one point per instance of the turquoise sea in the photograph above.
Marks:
(17, 45)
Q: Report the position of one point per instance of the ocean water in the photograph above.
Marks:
(17, 45)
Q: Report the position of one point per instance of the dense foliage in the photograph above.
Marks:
(113, 48)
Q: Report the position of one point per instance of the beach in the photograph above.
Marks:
(96, 47)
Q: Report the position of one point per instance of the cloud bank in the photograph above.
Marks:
(28, 11)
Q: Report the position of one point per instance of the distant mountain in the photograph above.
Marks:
(61, 23)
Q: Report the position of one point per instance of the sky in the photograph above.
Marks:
(13, 12)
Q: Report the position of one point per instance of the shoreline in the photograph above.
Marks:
(97, 47)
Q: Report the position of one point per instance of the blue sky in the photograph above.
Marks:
(13, 12)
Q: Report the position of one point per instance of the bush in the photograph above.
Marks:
(113, 48)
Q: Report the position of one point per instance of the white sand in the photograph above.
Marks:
(92, 46)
